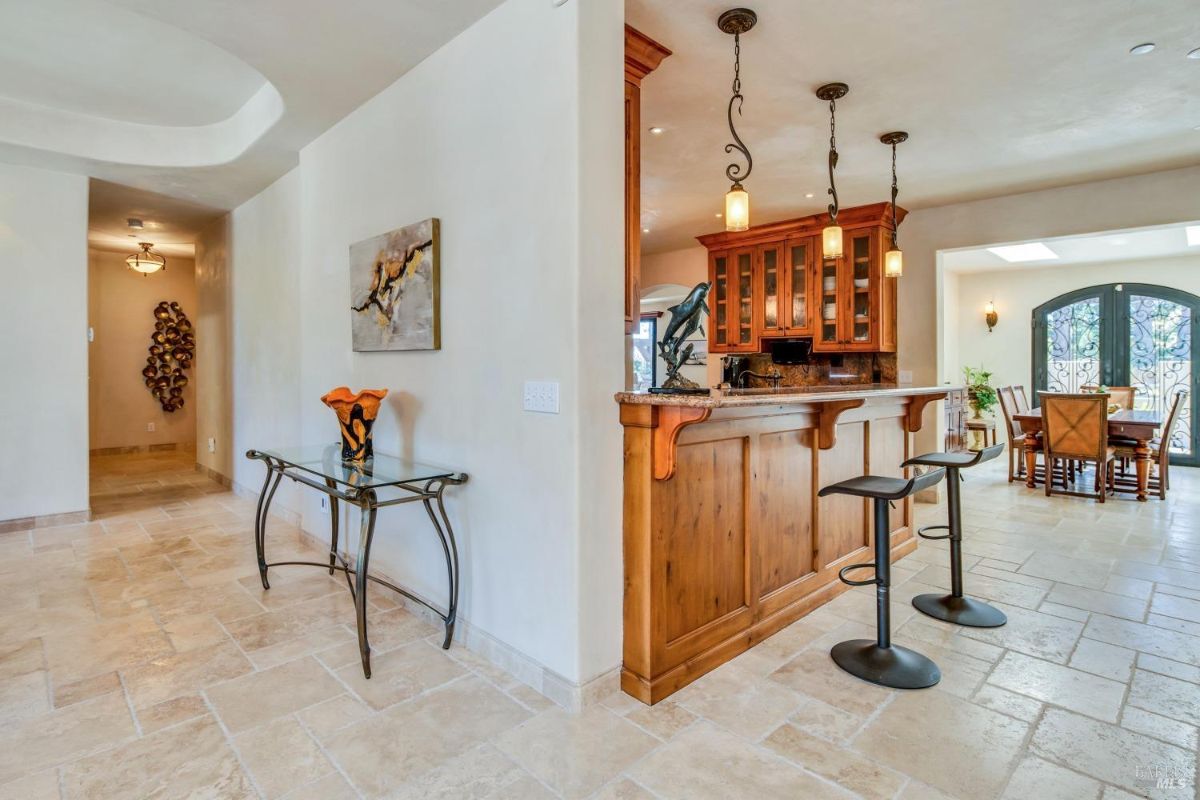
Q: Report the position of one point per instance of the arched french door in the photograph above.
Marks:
(1124, 334)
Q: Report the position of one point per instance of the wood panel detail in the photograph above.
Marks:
(916, 410)
(733, 543)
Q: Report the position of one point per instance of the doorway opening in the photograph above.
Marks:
(1124, 334)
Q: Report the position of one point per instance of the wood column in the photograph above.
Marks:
(642, 56)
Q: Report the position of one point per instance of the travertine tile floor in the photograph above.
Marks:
(140, 658)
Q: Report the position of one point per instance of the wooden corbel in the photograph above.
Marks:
(668, 422)
(828, 417)
(916, 408)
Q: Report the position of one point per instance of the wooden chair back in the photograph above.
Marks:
(1008, 406)
(1117, 395)
(1075, 426)
(1022, 400)
(1164, 448)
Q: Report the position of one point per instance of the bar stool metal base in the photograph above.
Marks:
(959, 610)
(896, 667)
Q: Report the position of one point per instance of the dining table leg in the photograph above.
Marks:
(1141, 455)
(1031, 450)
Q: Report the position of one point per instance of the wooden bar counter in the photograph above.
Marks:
(725, 539)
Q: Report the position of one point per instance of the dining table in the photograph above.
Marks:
(1134, 425)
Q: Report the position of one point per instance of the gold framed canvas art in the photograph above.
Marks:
(394, 293)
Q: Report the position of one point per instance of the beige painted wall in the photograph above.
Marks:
(43, 342)
(121, 314)
(1008, 350)
(214, 362)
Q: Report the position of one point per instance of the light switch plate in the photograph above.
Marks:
(906, 376)
(212, 445)
(541, 396)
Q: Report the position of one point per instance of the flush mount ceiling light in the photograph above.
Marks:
(1141, 49)
(1194, 53)
(737, 21)
(893, 259)
(657, 131)
(831, 236)
(1193, 235)
(147, 261)
(1018, 253)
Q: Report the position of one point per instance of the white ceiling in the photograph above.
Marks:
(207, 101)
(171, 225)
(1132, 245)
(997, 98)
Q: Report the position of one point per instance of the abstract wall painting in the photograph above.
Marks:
(394, 291)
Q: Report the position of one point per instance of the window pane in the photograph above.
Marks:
(1073, 346)
(1160, 361)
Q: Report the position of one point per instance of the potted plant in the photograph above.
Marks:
(980, 392)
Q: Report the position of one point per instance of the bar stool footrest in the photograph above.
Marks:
(896, 667)
(869, 582)
(921, 532)
(965, 611)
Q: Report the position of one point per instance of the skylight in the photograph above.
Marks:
(1017, 253)
(1193, 235)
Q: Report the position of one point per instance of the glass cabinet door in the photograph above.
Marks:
(772, 287)
(797, 283)
(744, 298)
(720, 308)
(827, 290)
(860, 273)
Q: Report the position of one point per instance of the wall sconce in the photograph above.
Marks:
(990, 315)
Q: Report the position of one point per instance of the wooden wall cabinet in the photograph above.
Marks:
(845, 304)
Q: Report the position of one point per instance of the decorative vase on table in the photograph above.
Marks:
(356, 414)
(982, 398)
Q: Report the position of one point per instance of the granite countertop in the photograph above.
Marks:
(731, 398)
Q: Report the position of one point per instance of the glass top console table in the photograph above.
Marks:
(321, 467)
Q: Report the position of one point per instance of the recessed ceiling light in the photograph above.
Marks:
(1017, 253)
(1193, 235)
(657, 131)
(809, 194)
(1141, 49)
(718, 215)
(645, 230)
(1194, 53)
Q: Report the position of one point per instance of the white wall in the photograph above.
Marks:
(1154, 199)
(121, 306)
(1008, 350)
(265, 317)
(487, 134)
(43, 342)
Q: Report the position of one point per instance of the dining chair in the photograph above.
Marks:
(1022, 400)
(1075, 429)
(1160, 453)
(1016, 438)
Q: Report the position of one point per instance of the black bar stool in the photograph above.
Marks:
(880, 661)
(955, 607)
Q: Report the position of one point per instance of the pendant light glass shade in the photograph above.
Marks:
(831, 242)
(893, 263)
(146, 262)
(737, 209)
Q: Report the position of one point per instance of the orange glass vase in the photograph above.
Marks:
(356, 412)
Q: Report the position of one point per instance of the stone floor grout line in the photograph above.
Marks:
(333, 762)
(137, 725)
(229, 739)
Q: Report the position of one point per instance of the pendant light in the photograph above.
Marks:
(831, 236)
(146, 261)
(893, 259)
(737, 21)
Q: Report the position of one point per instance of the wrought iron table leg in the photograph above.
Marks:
(366, 532)
(333, 524)
(450, 550)
(260, 521)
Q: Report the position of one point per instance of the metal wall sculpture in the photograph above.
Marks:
(172, 347)
(685, 320)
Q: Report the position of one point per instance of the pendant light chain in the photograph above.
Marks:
(734, 171)
(895, 191)
(833, 160)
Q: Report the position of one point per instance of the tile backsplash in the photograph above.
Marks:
(851, 368)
